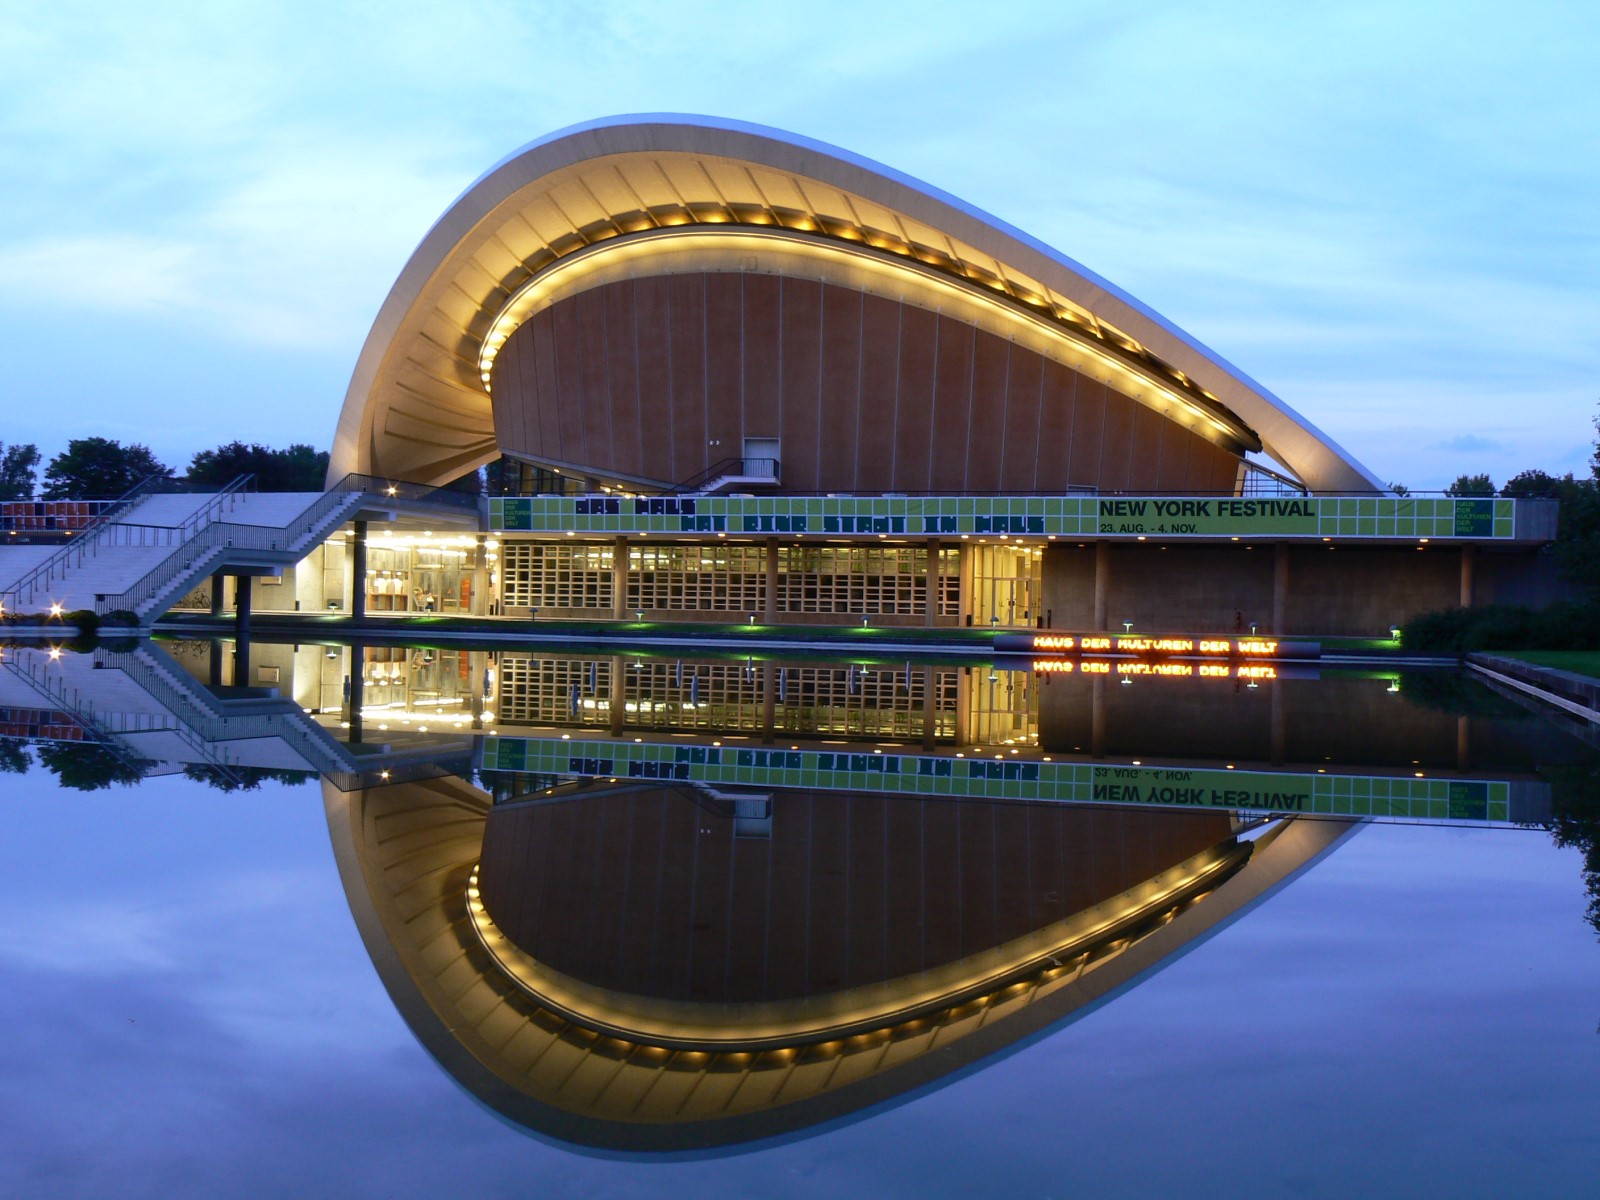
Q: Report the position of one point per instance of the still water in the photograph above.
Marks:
(412, 921)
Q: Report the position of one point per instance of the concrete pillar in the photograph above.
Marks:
(1463, 743)
(241, 612)
(930, 585)
(358, 572)
(619, 578)
(1280, 588)
(214, 657)
(1469, 556)
(480, 577)
(769, 612)
(358, 684)
(930, 712)
(617, 705)
(1278, 724)
(219, 593)
(769, 696)
(1102, 582)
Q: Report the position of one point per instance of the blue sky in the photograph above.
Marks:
(1384, 213)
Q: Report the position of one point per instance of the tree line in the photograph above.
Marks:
(97, 468)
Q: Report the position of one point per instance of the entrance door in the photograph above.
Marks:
(760, 458)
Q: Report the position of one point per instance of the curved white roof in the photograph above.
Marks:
(417, 405)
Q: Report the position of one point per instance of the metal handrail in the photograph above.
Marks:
(731, 466)
(85, 538)
(26, 589)
(199, 541)
(81, 711)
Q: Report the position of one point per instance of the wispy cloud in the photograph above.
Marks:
(1349, 201)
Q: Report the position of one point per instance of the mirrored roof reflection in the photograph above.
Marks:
(649, 967)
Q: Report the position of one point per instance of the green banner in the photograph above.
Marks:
(1219, 518)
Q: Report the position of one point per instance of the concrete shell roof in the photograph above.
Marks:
(417, 406)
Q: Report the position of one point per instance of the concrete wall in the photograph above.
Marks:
(1340, 590)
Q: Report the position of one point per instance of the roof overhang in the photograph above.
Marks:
(418, 407)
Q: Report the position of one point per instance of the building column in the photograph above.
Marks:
(1279, 723)
(769, 613)
(619, 579)
(358, 571)
(617, 705)
(1102, 582)
(769, 700)
(1097, 716)
(219, 593)
(930, 713)
(1469, 556)
(480, 577)
(1280, 588)
(356, 700)
(241, 606)
(930, 585)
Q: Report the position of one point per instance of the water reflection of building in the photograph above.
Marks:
(665, 968)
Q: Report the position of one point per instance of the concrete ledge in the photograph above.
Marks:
(1573, 693)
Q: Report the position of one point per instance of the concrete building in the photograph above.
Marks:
(726, 373)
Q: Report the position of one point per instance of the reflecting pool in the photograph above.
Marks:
(417, 921)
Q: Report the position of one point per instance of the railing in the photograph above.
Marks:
(1258, 480)
(401, 489)
(290, 725)
(81, 710)
(83, 544)
(200, 537)
(49, 517)
(197, 548)
(742, 468)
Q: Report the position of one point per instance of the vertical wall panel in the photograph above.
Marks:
(841, 389)
(686, 311)
(593, 369)
(913, 429)
(655, 369)
(952, 392)
(725, 352)
(802, 365)
(761, 298)
(1117, 445)
(1144, 472)
(987, 416)
(1058, 406)
(623, 380)
(880, 354)
(1088, 431)
(868, 920)
(550, 404)
(1020, 448)
(568, 386)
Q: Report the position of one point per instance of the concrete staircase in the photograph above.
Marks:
(147, 555)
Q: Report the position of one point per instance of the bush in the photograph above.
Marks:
(1572, 625)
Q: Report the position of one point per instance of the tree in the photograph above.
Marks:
(1532, 485)
(17, 470)
(14, 759)
(300, 468)
(99, 469)
(1471, 485)
(1399, 489)
(245, 779)
(86, 766)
